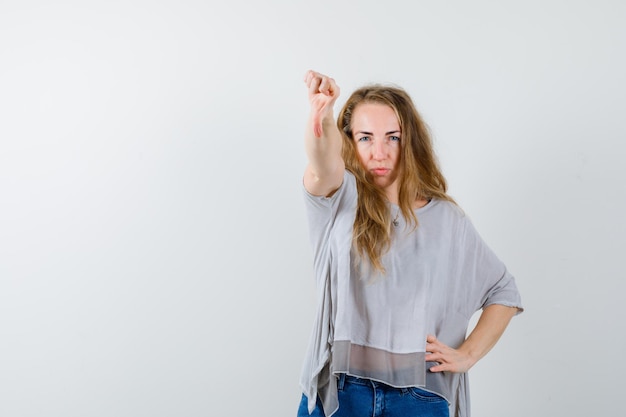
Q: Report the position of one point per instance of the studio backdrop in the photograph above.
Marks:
(154, 254)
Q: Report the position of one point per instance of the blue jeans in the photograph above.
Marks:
(360, 397)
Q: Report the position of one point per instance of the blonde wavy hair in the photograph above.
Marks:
(420, 175)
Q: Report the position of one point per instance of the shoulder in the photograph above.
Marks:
(444, 208)
(443, 217)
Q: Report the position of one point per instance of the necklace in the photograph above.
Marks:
(395, 221)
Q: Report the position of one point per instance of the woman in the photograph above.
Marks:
(399, 267)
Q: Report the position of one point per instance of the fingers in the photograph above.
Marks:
(440, 367)
(323, 91)
(320, 83)
(432, 344)
(314, 86)
(431, 348)
(448, 359)
(435, 352)
(328, 86)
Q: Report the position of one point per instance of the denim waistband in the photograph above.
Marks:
(345, 379)
(350, 379)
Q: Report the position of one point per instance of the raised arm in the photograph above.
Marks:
(322, 139)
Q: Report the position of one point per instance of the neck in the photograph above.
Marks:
(392, 193)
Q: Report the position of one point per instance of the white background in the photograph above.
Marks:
(154, 257)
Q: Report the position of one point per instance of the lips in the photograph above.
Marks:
(380, 171)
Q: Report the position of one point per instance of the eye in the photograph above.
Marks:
(363, 139)
(394, 138)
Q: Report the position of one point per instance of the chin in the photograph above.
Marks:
(382, 184)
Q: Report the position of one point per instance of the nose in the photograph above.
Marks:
(379, 151)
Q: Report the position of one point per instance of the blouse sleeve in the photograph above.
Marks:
(489, 280)
(322, 213)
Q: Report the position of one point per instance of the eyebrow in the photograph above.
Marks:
(361, 132)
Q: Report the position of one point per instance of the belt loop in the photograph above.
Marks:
(342, 380)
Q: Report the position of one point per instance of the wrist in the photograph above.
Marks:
(471, 355)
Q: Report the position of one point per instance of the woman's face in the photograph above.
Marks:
(376, 133)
